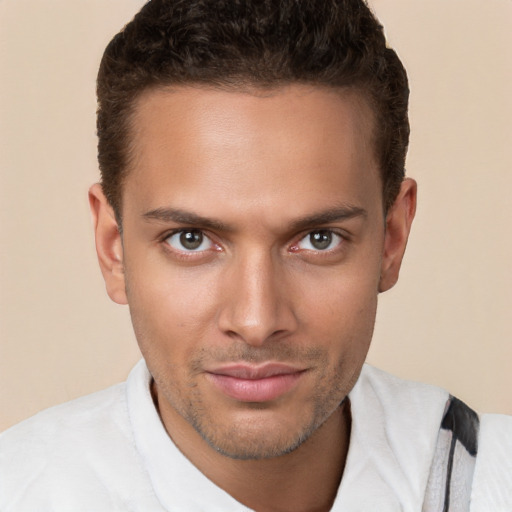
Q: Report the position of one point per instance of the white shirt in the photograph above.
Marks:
(110, 452)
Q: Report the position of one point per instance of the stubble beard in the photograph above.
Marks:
(243, 442)
(239, 447)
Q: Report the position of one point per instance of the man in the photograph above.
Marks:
(252, 206)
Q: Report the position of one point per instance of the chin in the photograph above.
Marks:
(247, 439)
(255, 448)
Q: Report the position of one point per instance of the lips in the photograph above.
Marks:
(247, 383)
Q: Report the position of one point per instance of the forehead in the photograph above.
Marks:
(284, 148)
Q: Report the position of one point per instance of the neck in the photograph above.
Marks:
(306, 479)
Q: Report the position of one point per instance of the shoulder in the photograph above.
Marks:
(69, 426)
(45, 449)
(395, 424)
(492, 483)
(399, 397)
(80, 455)
(66, 418)
(416, 422)
(406, 413)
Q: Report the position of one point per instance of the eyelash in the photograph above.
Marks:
(183, 253)
(294, 247)
(342, 239)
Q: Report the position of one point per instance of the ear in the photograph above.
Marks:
(109, 247)
(398, 226)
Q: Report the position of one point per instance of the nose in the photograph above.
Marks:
(257, 305)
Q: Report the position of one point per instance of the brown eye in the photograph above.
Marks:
(189, 240)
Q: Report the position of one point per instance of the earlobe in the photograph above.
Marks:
(109, 247)
(398, 227)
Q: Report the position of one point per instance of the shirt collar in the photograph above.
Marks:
(394, 431)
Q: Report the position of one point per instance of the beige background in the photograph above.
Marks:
(447, 322)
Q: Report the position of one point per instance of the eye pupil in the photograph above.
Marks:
(321, 239)
(191, 239)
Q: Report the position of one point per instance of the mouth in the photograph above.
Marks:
(248, 383)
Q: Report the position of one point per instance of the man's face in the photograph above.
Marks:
(253, 235)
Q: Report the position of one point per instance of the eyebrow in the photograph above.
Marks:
(336, 214)
(187, 218)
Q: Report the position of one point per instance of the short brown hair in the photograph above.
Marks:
(262, 43)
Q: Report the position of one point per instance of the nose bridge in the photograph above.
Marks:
(256, 307)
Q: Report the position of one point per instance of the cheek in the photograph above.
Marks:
(170, 308)
(347, 318)
(340, 292)
(341, 311)
(168, 290)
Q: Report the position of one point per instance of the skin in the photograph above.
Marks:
(256, 174)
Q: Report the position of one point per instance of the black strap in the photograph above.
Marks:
(454, 459)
